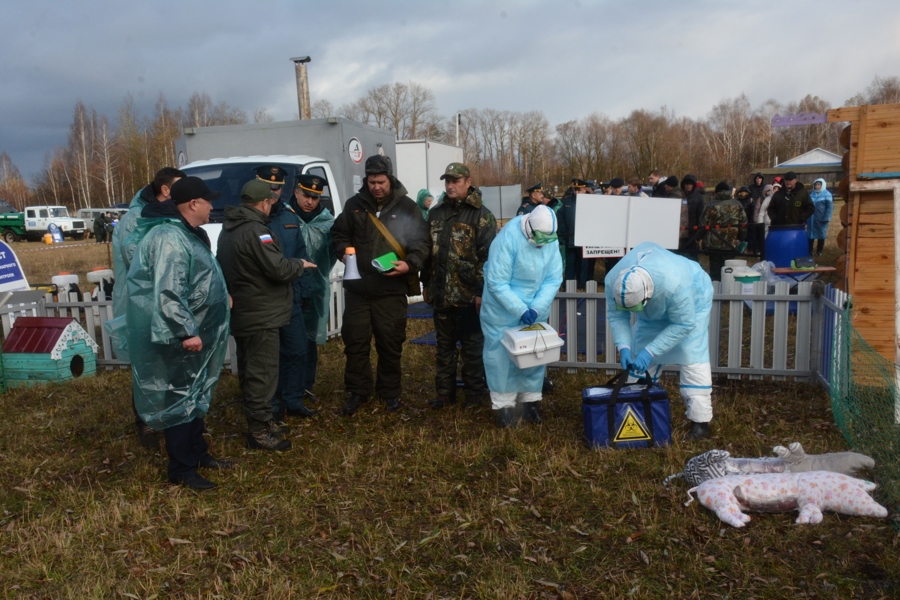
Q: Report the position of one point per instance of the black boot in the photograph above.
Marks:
(547, 388)
(352, 404)
(302, 411)
(699, 431)
(506, 417)
(441, 400)
(532, 413)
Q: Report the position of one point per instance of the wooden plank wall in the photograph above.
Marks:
(874, 148)
(873, 271)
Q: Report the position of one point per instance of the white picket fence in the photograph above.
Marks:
(767, 334)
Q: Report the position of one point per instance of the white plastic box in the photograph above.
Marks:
(532, 345)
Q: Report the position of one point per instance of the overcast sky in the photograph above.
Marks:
(566, 58)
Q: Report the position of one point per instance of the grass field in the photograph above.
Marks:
(414, 504)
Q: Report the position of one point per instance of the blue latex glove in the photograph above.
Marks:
(642, 361)
(625, 358)
(529, 316)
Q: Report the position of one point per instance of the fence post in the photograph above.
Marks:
(571, 324)
(735, 329)
(818, 331)
(715, 325)
(590, 323)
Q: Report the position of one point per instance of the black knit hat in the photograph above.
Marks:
(672, 181)
(723, 186)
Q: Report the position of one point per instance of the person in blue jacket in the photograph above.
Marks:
(817, 225)
(521, 277)
(291, 390)
(671, 297)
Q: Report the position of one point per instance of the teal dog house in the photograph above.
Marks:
(42, 349)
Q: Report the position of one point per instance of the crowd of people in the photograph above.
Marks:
(175, 303)
(723, 224)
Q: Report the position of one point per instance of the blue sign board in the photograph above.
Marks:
(12, 278)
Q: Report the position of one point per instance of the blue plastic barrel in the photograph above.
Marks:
(785, 243)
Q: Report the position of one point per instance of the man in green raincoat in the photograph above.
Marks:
(315, 227)
(177, 326)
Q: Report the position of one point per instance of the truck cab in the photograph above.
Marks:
(228, 176)
(38, 218)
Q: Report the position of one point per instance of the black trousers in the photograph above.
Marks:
(452, 325)
(385, 318)
(291, 365)
(185, 446)
(574, 267)
(257, 355)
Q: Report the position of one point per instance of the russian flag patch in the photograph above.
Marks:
(266, 239)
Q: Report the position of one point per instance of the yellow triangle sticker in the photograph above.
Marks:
(632, 429)
(535, 327)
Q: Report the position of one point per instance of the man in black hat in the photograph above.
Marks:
(177, 326)
(272, 175)
(289, 394)
(379, 220)
(534, 198)
(260, 282)
(574, 266)
(791, 205)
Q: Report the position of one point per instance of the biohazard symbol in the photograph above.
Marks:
(632, 429)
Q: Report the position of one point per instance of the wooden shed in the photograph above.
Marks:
(42, 349)
(871, 219)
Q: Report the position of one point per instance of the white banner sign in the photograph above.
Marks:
(626, 221)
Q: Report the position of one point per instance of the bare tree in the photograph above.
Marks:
(261, 115)
(13, 188)
(322, 109)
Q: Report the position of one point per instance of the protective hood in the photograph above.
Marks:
(539, 226)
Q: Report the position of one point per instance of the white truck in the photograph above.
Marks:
(420, 164)
(39, 218)
(226, 157)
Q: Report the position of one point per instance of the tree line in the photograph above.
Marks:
(105, 161)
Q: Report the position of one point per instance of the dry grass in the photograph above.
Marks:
(41, 261)
(418, 504)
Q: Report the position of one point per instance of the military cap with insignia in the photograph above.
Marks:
(455, 170)
(538, 187)
(271, 174)
(579, 183)
(311, 184)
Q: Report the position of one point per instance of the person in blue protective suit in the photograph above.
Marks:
(521, 277)
(672, 298)
(315, 227)
(817, 225)
(176, 325)
(288, 399)
(158, 190)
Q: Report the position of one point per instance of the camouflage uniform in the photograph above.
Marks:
(461, 234)
(729, 216)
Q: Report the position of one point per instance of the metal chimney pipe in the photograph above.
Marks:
(302, 86)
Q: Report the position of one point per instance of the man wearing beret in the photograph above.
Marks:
(534, 199)
(462, 230)
(379, 220)
(259, 280)
(176, 325)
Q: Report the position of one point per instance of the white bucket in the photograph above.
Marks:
(728, 272)
(747, 278)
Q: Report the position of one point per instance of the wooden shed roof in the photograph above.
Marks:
(43, 335)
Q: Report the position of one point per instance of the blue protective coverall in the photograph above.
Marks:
(517, 276)
(175, 291)
(674, 325)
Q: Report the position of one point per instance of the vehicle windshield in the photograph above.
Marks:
(58, 211)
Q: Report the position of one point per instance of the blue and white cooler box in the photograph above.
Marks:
(623, 415)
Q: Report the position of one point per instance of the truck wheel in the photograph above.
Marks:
(9, 236)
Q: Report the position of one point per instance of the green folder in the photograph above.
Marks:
(385, 263)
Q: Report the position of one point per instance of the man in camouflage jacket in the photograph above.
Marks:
(462, 230)
(727, 222)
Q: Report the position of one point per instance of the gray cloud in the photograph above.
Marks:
(567, 59)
